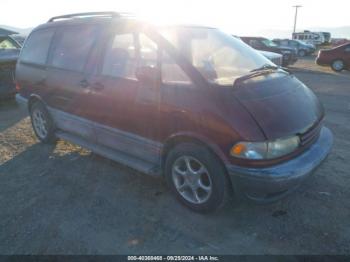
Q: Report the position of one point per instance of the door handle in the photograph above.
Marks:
(84, 83)
(98, 86)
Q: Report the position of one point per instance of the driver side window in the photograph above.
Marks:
(172, 73)
(148, 51)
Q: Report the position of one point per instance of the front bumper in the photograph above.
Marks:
(272, 183)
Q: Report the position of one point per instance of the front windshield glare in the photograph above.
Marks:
(219, 57)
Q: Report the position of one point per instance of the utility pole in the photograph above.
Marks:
(296, 15)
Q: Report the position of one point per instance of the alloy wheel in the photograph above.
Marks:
(192, 179)
(39, 123)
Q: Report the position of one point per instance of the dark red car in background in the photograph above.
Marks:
(337, 58)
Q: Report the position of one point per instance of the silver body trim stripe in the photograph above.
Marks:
(133, 145)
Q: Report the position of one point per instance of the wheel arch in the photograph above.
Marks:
(186, 137)
(35, 98)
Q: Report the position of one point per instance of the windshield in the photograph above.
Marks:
(300, 42)
(269, 43)
(219, 57)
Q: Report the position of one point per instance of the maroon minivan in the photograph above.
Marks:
(189, 103)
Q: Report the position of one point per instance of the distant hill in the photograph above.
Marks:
(21, 31)
(336, 32)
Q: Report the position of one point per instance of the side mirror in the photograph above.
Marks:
(148, 74)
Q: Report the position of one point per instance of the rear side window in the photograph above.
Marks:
(73, 47)
(37, 46)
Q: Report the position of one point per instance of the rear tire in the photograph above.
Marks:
(301, 53)
(338, 65)
(42, 123)
(197, 177)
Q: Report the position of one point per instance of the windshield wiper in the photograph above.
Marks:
(266, 67)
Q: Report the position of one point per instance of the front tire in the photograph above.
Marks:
(42, 123)
(338, 65)
(197, 177)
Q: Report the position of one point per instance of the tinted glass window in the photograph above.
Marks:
(347, 48)
(255, 43)
(37, 46)
(7, 44)
(120, 57)
(172, 72)
(73, 47)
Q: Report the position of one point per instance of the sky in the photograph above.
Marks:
(238, 17)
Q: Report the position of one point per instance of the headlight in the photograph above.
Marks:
(265, 150)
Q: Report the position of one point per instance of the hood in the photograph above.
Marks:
(284, 48)
(280, 49)
(280, 104)
(270, 55)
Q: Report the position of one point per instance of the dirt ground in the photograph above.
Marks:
(65, 200)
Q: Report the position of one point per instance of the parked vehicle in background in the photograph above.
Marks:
(327, 37)
(191, 103)
(338, 58)
(275, 58)
(302, 48)
(9, 52)
(315, 38)
(339, 41)
(264, 44)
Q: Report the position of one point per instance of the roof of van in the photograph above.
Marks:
(101, 17)
(85, 18)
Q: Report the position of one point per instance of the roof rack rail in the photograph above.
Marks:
(89, 14)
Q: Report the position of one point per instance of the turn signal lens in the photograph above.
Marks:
(238, 149)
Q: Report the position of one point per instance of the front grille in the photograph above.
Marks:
(311, 135)
(277, 61)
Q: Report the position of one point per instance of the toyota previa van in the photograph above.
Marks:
(192, 104)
